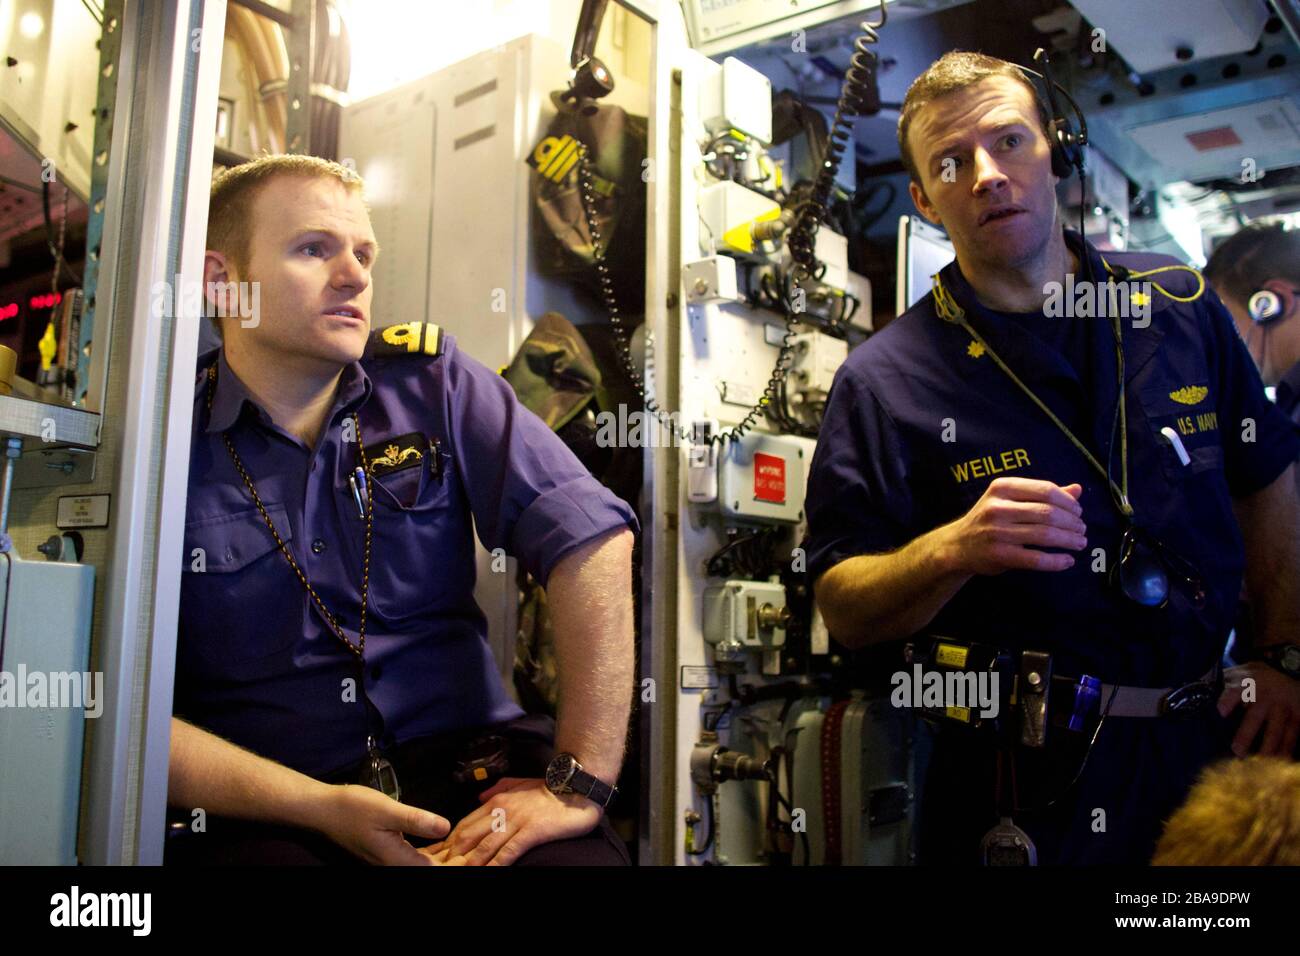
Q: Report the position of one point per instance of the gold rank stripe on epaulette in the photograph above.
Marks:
(409, 338)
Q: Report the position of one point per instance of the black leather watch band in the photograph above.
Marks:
(565, 775)
(593, 788)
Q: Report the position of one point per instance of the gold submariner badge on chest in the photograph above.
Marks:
(396, 454)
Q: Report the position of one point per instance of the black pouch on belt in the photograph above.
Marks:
(484, 760)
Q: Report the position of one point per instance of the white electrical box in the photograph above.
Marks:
(833, 249)
(859, 287)
(711, 280)
(737, 97)
(762, 478)
(728, 212)
(749, 613)
(817, 357)
(46, 695)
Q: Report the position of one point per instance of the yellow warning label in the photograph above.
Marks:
(555, 156)
(951, 655)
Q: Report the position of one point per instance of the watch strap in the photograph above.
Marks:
(592, 787)
(1274, 660)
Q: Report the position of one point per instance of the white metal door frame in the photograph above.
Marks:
(160, 169)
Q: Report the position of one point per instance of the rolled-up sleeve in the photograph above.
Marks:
(859, 501)
(1259, 441)
(528, 492)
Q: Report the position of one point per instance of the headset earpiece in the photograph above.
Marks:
(1264, 306)
(1064, 151)
(1067, 144)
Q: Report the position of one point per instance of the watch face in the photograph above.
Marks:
(559, 771)
(1290, 659)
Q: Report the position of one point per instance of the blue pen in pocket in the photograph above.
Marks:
(360, 492)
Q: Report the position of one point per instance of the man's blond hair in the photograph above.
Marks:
(1240, 813)
(955, 71)
(234, 194)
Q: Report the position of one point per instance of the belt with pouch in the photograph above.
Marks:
(1191, 698)
(478, 757)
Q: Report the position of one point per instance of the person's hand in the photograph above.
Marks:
(516, 815)
(1013, 519)
(370, 824)
(1276, 709)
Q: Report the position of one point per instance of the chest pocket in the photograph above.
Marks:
(405, 490)
(415, 562)
(1186, 407)
(241, 604)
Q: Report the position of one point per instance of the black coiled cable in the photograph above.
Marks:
(622, 335)
(802, 239)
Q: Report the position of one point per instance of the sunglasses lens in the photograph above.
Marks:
(1141, 577)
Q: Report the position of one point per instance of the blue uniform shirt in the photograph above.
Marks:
(919, 421)
(256, 662)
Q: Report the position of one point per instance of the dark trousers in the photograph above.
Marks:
(1136, 776)
(424, 770)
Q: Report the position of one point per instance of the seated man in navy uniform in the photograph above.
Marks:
(330, 656)
(982, 476)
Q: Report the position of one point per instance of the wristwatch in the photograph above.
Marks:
(565, 775)
(1284, 657)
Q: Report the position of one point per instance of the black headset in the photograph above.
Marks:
(1067, 143)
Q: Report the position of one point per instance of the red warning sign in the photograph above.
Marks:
(769, 478)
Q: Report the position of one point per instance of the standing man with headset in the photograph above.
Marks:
(1026, 487)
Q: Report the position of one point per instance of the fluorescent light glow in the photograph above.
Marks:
(396, 41)
(31, 25)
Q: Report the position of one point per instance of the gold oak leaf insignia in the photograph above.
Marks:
(1189, 394)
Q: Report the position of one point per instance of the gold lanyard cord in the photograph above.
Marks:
(1200, 280)
(359, 648)
(950, 311)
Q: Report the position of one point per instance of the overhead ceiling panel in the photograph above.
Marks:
(1151, 34)
(1225, 143)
